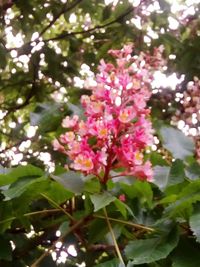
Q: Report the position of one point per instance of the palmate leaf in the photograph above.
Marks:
(45, 113)
(101, 200)
(20, 186)
(195, 223)
(6, 250)
(152, 249)
(188, 196)
(193, 171)
(186, 254)
(71, 181)
(176, 142)
(20, 172)
(111, 263)
(165, 176)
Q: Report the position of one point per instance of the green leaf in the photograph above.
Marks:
(195, 224)
(101, 200)
(6, 212)
(157, 159)
(58, 193)
(165, 176)
(188, 196)
(186, 254)
(6, 250)
(152, 249)
(177, 173)
(76, 110)
(193, 171)
(20, 172)
(107, 11)
(111, 263)
(94, 235)
(20, 186)
(72, 181)
(121, 207)
(161, 176)
(3, 60)
(139, 189)
(45, 113)
(92, 186)
(177, 143)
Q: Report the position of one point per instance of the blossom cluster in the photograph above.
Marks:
(117, 129)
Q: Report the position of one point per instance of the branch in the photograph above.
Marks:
(61, 36)
(60, 239)
(63, 11)
(40, 212)
(58, 207)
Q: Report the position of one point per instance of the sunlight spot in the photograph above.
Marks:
(163, 81)
(72, 18)
(137, 22)
(181, 124)
(118, 101)
(13, 53)
(147, 39)
(72, 251)
(59, 244)
(108, 2)
(135, 3)
(54, 255)
(12, 124)
(78, 82)
(31, 131)
(173, 23)
(58, 233)
(35, 36)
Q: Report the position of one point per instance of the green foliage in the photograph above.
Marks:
(70, 180)
(177, 143)
(101, 200)
(151, 249)
(194, 223)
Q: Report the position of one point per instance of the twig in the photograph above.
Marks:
(61, 36)
(60, 239)
(31, 214)
(113, 238)
(138, 226)
(63, 11)
(58, 206)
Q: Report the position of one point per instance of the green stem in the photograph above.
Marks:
(113, 237)
(138, 226)
(31, 214)
(58, 206)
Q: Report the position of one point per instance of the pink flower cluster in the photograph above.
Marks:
(117, 128)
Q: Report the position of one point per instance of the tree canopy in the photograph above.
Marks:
(65, 209)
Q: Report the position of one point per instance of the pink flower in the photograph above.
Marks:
(67, 137)
(70, 122)
(57, 146)
(143, 172)
(127, 114)
(122, 198)
(83, 163)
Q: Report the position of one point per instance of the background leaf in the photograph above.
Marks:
(101, 200)
(152, 249)
(176, 142)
